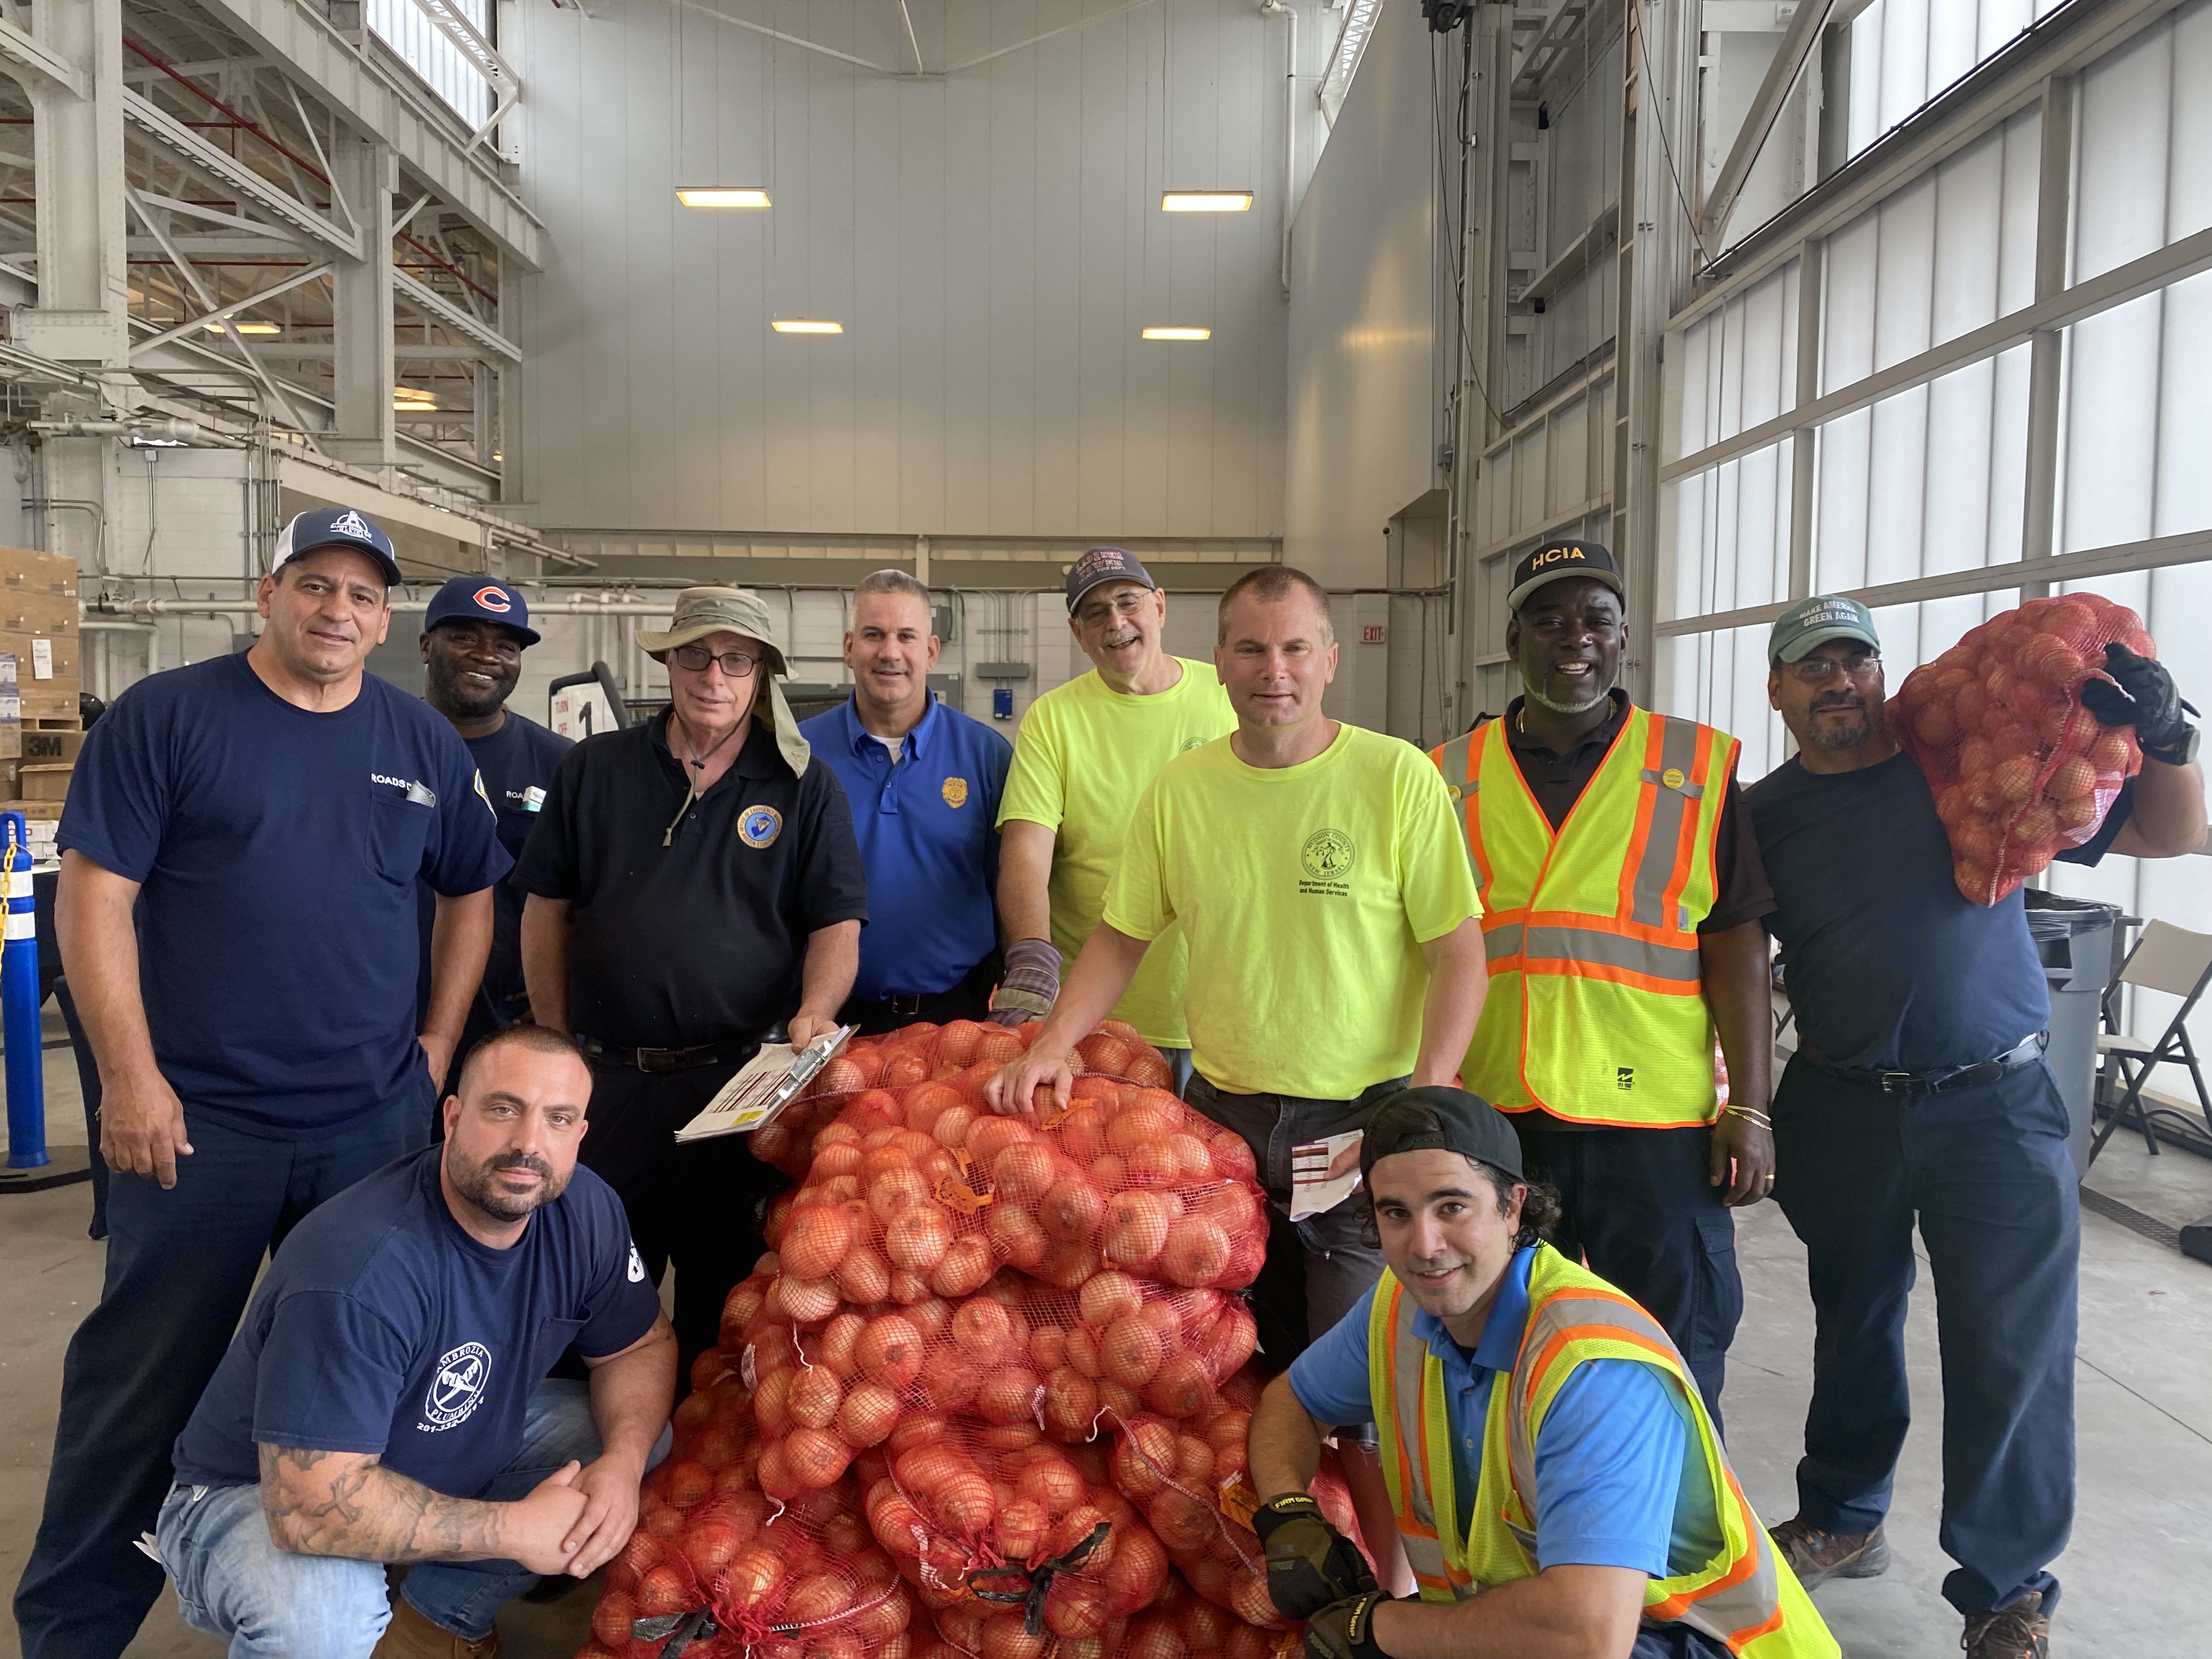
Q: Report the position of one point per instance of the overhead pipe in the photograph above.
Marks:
(1277, 9)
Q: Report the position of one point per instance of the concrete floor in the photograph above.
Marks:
(2141, 1553)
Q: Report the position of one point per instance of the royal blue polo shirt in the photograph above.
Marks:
(926, 827)
(1617, 1447)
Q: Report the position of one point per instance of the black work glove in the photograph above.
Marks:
(1309, 1563)
(1031, 984)
(1345, 1630)
(2144, 696)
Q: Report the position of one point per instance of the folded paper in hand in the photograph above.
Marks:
(1323, 1173)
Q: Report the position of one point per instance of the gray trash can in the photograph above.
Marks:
(2074, 938)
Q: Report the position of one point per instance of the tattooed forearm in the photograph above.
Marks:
(346, 1504)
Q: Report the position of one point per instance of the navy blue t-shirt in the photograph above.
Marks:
(928, 834)
(1889, 966)
(516, 763)
(382, 1327)
(277, 852)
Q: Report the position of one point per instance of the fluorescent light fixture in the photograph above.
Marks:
(406, 400)
(1178, 334)
(247, 328)
(805, 325)
(1206, 201)
(721, 196)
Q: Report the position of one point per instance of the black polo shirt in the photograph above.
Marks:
(1741, 890)
(701, 940)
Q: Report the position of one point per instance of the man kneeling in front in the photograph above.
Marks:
(387, 1399)
(1560, 1489)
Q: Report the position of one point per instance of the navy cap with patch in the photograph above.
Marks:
(481, 598)
(1104, 564)
(334, 526)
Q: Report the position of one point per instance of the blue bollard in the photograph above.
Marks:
(19, 1002)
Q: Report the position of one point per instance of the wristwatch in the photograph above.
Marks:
(2178, 754)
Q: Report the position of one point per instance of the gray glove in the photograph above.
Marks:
(1031, 984)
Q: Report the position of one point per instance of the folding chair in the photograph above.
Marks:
(2179, 963)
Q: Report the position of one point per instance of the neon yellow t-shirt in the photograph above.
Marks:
(1083, 754)
(1305, 894)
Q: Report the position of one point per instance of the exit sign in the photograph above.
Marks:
(1371, 633)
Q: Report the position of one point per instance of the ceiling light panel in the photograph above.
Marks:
(721, 196)
(806, 325)
(1206, 201)
(1170, 333)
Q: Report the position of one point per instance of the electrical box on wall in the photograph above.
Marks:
(1002, 702)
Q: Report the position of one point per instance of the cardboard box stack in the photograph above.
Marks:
(39, 679)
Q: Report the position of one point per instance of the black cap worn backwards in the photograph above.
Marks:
(1439, 1119)
(1554, 560)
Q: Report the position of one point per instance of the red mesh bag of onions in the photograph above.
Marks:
(1176, 1624)
(960, 1056)
(717, 1574)
(927, 1194)
(1190, 1482)
(2018, 766)
(1015, 1353)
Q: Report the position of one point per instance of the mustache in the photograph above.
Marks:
(1838, 700)
(529, 1161)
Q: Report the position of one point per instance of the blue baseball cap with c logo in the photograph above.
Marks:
(481, 598)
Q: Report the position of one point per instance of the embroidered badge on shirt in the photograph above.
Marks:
(455, 1388)
(482, 794)
(955, 791)
(759, 826)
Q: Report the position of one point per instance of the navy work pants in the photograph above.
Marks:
(699, 1205)
(1984, 1170)
(180, 1266)
(1639, 1206)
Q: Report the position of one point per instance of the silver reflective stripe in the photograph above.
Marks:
(1678, 750)
(1502, 940)
(1457, 762)
(1600, 949)
(1425, 1556)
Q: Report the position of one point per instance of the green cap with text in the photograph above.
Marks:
(1815, 622)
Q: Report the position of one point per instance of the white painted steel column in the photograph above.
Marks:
(366, 431)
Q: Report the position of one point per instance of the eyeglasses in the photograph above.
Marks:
(1811, 670)
(736, 664)
(1099, 612)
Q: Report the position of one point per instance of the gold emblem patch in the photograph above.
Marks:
(1672, 777)
(955, 791)
(1454, 791)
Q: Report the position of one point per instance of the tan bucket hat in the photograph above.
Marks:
(703, 610)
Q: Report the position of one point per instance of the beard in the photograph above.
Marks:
(442, 686)
(1543, 701)
(482, 1191)
(1827, 735)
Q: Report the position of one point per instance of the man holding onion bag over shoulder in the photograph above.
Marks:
(1315, 870)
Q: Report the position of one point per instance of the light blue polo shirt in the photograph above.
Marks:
(926, 827)
(1616, 1448)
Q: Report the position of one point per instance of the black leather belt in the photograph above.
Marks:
(654, 1060)
(1935, 1083)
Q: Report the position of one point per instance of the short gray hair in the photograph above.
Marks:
(892, 581)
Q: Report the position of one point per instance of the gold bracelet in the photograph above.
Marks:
(1759, 1118)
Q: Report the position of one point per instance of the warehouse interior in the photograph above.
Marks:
(1906, 300)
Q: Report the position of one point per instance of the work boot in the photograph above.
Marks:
(410, 1635)
(2018, 1632)
(1816, 1557)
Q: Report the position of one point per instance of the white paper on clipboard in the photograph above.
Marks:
(1323, 1173)
(764, 1086)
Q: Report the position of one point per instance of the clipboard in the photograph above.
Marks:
(764, 1086)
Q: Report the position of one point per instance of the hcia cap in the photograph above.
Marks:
(703, 610)
(1436, 1118)
(1555, 560)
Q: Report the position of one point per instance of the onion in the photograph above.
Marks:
(1006, 1636)
(891, 1193)
(815, 1457)
(807, 1301)
(867, 1414)
(1182, 1388)
(1135, 1230)
(661, 1591)
(864, 1276)
(816, 1597)
(610, 1619)
(1071, 1402)
(771, 1401)
(1131, 1352)
(889, 1351)
(1144, 1457)
(949, 1380)
(1140, 1126)
(967, 1267)
(989, 1137)
(755, 1573)
(815, 1394)
(1015, 1236)
(1021, 1172)
(1083, 1351)
(919, 1236)
(1071, 1207)
(1083, 1133)
(1074, 1609)
(1009, 1395)
(1196, 1251)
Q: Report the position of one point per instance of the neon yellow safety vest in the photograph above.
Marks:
(1745, 1596)
(1597, 1009)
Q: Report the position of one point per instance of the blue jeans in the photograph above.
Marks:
(1984, 1170)
(232, 1583)
(180, 1266)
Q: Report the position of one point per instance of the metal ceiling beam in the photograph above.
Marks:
(373, 101)
(1788, 62)
(33, 63)
(223, 314)
(449, 315)
(195, 151)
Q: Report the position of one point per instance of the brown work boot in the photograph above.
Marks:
(1816, 1557)
(2018, 1632)
(410, 1635)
